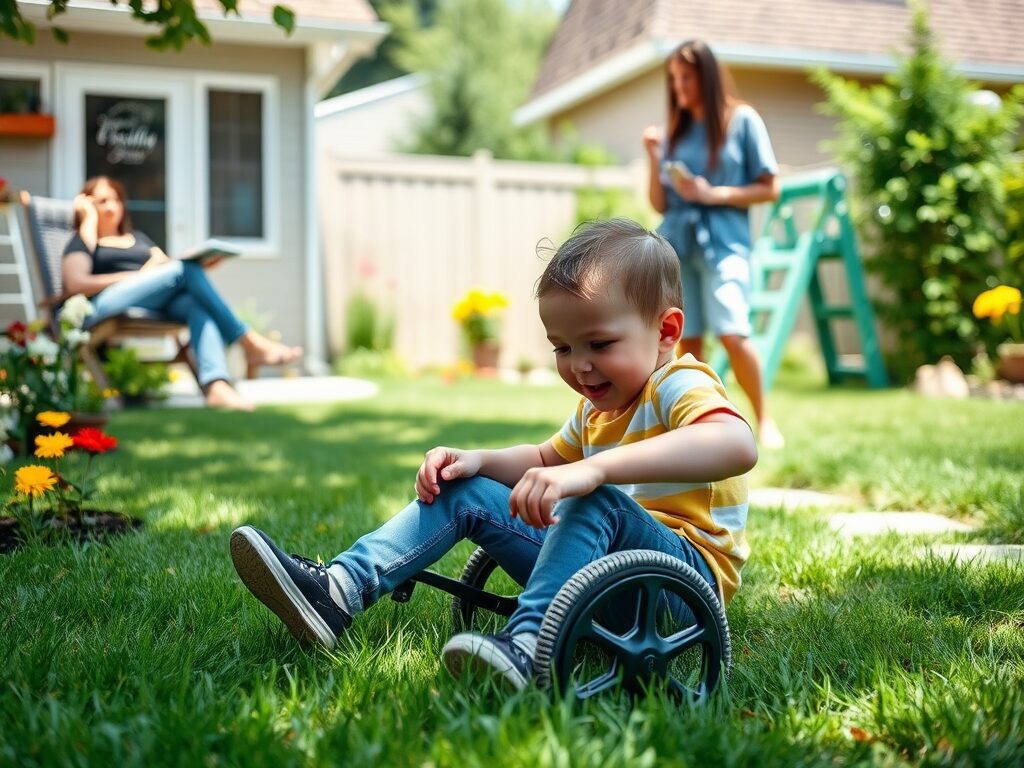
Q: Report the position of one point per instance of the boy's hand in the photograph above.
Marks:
(444, 464)
(534, 497)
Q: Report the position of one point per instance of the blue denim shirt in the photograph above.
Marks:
(717, 231)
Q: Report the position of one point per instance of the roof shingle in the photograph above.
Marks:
(592, 31)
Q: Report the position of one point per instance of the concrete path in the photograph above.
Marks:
(280, 391)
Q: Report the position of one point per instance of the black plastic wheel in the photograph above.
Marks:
(478, 569)
(578, 649)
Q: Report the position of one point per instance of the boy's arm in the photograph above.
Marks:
(715, 447)
(506, 465)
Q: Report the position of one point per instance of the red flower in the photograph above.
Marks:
(94, 440)
(18, 333)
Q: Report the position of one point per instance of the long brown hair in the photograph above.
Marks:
(716, 91)
(125, 225)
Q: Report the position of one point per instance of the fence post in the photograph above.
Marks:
(485, 224)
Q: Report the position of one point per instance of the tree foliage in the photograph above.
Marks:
(930, 164)
(480, 57)
(175, 21)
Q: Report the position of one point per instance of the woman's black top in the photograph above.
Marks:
(107, 259)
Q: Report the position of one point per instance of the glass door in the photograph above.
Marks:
(134, 129)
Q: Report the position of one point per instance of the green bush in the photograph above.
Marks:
(367, 326)
(133, 378)
(929, 167)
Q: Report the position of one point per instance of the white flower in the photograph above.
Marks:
(49, 377)
(42, 347)
(76, 309)
(5, 345)
(74, 337)
(6, 454)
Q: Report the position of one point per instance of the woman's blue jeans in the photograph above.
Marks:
(181, 291)
(541, 561)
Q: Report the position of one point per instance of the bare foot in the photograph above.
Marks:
(769, 436)
(259, 350)
(220, 394)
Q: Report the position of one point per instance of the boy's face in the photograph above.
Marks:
(604, 349)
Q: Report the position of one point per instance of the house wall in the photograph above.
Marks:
(786, 101)
(375, 128)
(273, 283)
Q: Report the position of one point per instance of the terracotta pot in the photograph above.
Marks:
(485, 355)
(1011, 362)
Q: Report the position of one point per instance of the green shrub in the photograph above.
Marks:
(929, 166)
(367, 326)
(133, 378)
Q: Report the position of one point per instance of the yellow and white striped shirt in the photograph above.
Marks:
(712, 516)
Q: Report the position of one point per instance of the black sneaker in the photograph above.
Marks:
(296, 589)
(489, 653)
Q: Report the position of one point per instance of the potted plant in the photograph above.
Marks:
(479, 315)
(39, 373)
(1002, 305)
(137, 382)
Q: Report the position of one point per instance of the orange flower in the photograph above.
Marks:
(54, 419)
(33, 480)
(53, 446)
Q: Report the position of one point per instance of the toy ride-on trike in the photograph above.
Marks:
(610, 624)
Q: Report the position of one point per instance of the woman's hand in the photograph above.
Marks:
(533, 499)
(652, 141)
(444, 464)
(695, 190)
(84, 206)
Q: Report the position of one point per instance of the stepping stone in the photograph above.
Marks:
(979, 553)
(851, 524)
(795, 498)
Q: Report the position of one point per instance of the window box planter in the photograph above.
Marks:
(30, 125)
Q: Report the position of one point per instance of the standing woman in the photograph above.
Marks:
(725, 146)
(119, 267)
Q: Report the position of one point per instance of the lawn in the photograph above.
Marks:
(149, 651)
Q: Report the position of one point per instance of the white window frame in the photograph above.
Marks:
(268, 246)
(19, 69)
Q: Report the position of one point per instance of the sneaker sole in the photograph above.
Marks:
(481, 656)
(266, 578)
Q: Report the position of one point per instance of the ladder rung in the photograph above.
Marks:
(848, 370)
(14, 298)
(765, 301)
(10, 269)
(833, 311)
(776, 259)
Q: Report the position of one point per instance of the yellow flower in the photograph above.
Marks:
(55, 419)
(34, 480)
(53, 446)
(997, 302)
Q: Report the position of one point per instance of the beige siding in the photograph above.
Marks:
(786, 101)
(275, 284)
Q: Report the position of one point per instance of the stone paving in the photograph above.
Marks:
(850, 522)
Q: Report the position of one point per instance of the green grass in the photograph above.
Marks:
(149, 651)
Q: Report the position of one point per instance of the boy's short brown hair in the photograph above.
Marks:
(621, 251)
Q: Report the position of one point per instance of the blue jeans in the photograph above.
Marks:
(181, 291)
(542, 561)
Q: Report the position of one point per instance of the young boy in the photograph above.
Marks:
(650, 459)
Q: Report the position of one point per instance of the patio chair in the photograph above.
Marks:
(50, 224)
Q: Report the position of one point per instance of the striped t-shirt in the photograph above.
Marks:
(712, 516)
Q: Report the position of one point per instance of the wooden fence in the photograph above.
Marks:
(415, 232)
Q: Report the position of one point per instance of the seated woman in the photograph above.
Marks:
(119, 268)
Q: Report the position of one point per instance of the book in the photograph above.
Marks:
(210, 250)
(678, 171)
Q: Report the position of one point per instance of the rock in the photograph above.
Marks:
(942, 380)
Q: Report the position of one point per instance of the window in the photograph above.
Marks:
(236, 164)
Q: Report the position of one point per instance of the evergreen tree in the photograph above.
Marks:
(929, 165)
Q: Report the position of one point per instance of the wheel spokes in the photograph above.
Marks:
(646, 622)
(684, 640)
(599, 684)
(602, 637)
